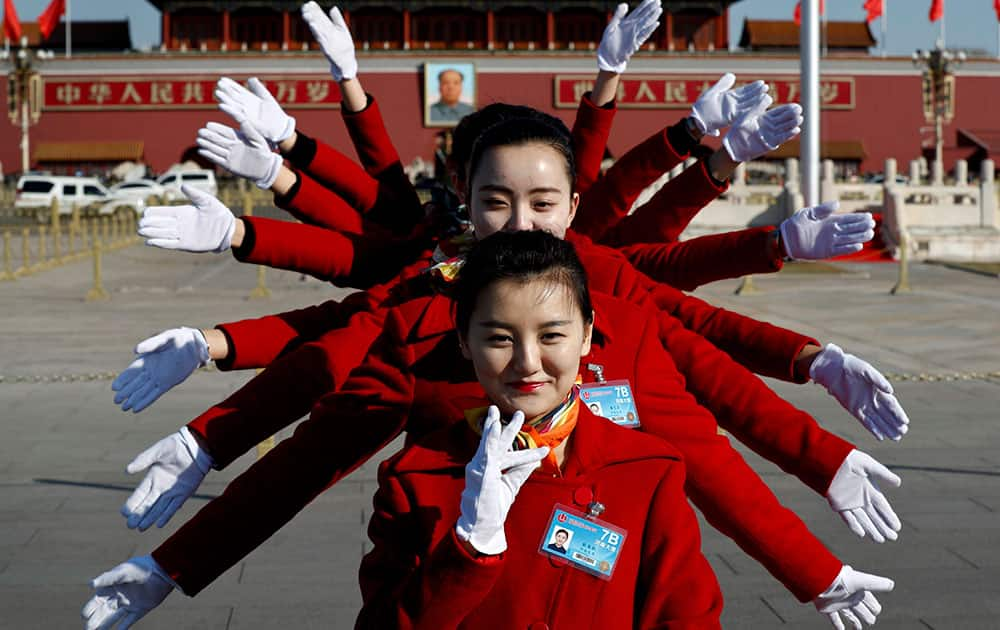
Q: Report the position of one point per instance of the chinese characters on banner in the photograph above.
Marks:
(669, 92)
(78, 94)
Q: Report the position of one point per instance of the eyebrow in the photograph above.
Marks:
(504, 189)
(492, 323)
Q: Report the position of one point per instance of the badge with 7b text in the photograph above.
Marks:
(586, 542)
(612, 400)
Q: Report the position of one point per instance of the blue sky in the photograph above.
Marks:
(971, 24)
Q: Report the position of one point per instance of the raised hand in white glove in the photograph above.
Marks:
(334, 39)
(855, 496)
(816, 233)
(206, 226)
(256, 106)
(758, 132)
(126, 593)
(719, 106)
(164, 361)
(851, 598)
(492, 480)
(623, 35)
(861, 390)
(245, 152)
(177, 465)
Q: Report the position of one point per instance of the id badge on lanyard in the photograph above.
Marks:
(583, 540)
(612, 400)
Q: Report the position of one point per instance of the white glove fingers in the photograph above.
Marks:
(870, 419)
(129, 621)
(257, 86)
(105, 619)
(152, 512)
(852, 523)
(214, 158)
(224, 132)
(131, 387)
(90, 607)
(849, 616)
(514, 459)
(133, 370)
(848, 248)
(165, 234)
(139, 394)
(517, 475)
(337, 18)
(835, 620)
(868, 525)
(854, 238)
(749, 92)
(235, 111)
(875, 469)
(854, 222)
(214, 141)
(619, 13)
(872, 603)
(156, 212)
(164, 243)
(874, 583)
(491, 434)
(113, 577)
(158, 221)
(147, 400)
(725, 82)
(254, 138)
(883, 422)
(882, 514)
(887, 403)
(137, 503)
(782, 114)
(168, 512)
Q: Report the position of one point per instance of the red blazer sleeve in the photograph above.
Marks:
(312, 203)
(400, 588)
(669, 211)
(687, 265)
(591, 129)
(721, 484)
(610, 199)
(346, 260)
(676, 587)
(255, 343)
(336, 171)
(284, 392)
(343, 431)
(762, 348)
(396, 205)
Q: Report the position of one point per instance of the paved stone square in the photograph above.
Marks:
(65, 445)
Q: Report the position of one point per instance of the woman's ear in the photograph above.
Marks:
(574, 202)
(464, 348)
(588, 334)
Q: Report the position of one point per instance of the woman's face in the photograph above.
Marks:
(522, 187)
(525, 341)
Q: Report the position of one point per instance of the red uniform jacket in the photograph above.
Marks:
(414, 378)
(418, 576)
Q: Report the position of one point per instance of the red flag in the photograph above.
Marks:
(874, 9)
(996, 7)
(937, 10)
(49, 18)
(12, 25)
(822, 10)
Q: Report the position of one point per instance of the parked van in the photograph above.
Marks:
(201, 179)
(38, 191)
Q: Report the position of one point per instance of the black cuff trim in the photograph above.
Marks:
(227, 363)
(245, 248)
(680, 139)
(303, 152)
(368, 103)
(283, 201)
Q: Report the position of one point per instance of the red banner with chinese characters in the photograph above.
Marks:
(140, 93)
(681, 91)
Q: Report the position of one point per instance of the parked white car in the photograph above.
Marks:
(201, 179)
(38, 191)
(137, 189)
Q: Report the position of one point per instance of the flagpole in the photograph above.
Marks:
(809, 69)
(944, 42)
(885, 25)
(69, 32)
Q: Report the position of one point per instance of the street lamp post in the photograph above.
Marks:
(938, 67)
(24, 93)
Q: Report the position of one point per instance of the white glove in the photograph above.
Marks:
(861, 504)
(206, 226)
(719, 106)
(126, 593)
(850, 596)
(164, 361)
(334, 38)
(861, 390)
(492, 480)
(245, 153)
(622, 37)
(177, 466)
(255, 106)
(758, 132)
(816, 233)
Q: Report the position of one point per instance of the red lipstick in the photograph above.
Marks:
(526, 386)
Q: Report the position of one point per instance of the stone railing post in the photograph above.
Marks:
(988, 196)
(961, 173)
(915, 173)
(792, 194)
(827, 182)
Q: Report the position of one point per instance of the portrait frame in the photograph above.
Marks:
(432, 91)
